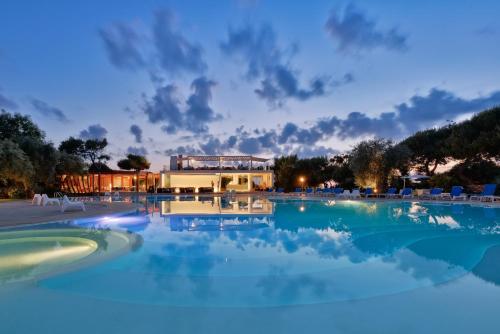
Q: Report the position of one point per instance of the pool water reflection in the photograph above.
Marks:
(253, 252)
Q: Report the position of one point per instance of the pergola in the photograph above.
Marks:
(220, 158)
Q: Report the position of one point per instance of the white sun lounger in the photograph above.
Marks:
(345, 194)
(355, 193)
(67, 204)
(46, 200)
(37, 199)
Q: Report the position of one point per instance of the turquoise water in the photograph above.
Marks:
(212, 265)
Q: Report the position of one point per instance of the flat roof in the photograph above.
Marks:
(223, 158)
(218, 171)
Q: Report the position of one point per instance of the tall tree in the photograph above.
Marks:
(90, 150)
(136, 163)
(16, 170)
(285, 172)
(370, 164)
(429, 149)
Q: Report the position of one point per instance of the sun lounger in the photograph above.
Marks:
(67, 204)
(355, 193)
(46, 200)
(338, 191)
(37, 199)
(487, 194)
(455, 194)
(406, 193)
(345, 194)
(368, 192)
(435, 193)
(391, 193)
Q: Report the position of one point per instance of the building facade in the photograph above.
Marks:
(192, 174)
(216, 174)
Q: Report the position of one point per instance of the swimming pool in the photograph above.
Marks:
(247, 264)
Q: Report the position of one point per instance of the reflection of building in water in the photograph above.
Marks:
(217, 213)
(208, 205)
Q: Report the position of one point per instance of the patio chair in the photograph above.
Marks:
(46, 200)
(309, 191)
(67, 204)
(280, 190)
(455, 194)
(487, 194)
(355, 193)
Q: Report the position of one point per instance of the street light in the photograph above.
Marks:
(302, 180)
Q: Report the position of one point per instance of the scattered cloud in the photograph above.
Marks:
(137, 150)
(160, 46)
(419, 112)
(136, 131)
(49, 111)
(258, 50)
(199, 113)
(95, 131)
(175, 52)
(123, 46)
(7, 103)
(354, 32)
(165, 107)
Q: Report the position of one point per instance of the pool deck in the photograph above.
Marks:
(22, 212)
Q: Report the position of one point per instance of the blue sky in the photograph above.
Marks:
(246, 76)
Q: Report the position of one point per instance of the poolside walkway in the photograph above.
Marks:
(21, 212)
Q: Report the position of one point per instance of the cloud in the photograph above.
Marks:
(136, 131)
(165, 107)
(123, 46)
(420, 112)
(95, 131)
(199, 113)
(137, 150)
(49, 111)
(354, 32)
(258, 49)
(7, 103)
(175, 52)
(159, 46)
(183, 149)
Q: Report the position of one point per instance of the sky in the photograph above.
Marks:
(259, 77)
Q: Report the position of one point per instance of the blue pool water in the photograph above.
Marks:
(248, 264)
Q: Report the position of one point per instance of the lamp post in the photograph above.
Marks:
(302, 180)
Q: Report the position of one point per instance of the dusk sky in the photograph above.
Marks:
(253, 77)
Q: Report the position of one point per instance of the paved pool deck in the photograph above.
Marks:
(22, 212)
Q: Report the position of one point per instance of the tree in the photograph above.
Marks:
(284, 171)
(477, 138)
(15, 168)
(369, 163)
(339, 171)
(17, 126)
(136, 163)
(429, 149)
(91, 150)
